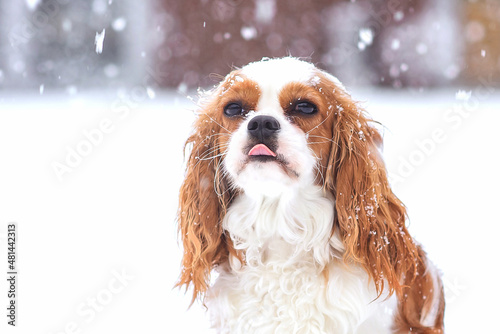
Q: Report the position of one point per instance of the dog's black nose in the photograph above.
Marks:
(263, 127)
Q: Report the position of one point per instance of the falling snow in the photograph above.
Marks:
(463, 95)
(119, 24)
(248, 33)
(395, 44)
(99, 41)
(398, 16)
(32, 4)
(151, 93)
(366, 36)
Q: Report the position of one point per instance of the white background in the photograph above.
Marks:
(115, 212)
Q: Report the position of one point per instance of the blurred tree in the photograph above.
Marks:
(210, 36)
(52, 43)
(184, 44)
(417, 42)
(397, 43)
(481, 30)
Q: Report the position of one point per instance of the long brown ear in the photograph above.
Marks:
(371, 219)
(204, 197)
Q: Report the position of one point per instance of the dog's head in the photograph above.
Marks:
(277, 126)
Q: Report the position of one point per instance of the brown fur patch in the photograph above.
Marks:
(205, 193)
(371, 220)
(416, 301)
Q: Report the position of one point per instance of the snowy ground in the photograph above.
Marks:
(97, 245)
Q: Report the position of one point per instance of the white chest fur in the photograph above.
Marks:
(293, 280)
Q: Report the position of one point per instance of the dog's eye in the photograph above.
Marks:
(305, 108)
(233, 109)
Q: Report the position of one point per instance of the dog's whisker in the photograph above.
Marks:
(212, 157)
(213, 120)
(322, 137)
(318, 166)
(213, 150)
(209, 137)
(317, 126)
(209, 155)
(217, 180)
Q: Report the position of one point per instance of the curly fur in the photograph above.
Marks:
(316, 244)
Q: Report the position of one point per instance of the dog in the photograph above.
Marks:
(286, 215)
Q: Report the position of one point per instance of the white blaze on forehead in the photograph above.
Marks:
(273, 74)
(280, 71)
(276, 73)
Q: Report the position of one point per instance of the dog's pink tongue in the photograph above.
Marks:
(261, 149)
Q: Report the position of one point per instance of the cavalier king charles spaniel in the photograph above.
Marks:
(287, 218)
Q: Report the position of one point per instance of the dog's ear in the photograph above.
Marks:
(369, 217)
(204, 198)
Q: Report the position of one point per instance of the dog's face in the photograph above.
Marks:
(279, 115)
(272, 128)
